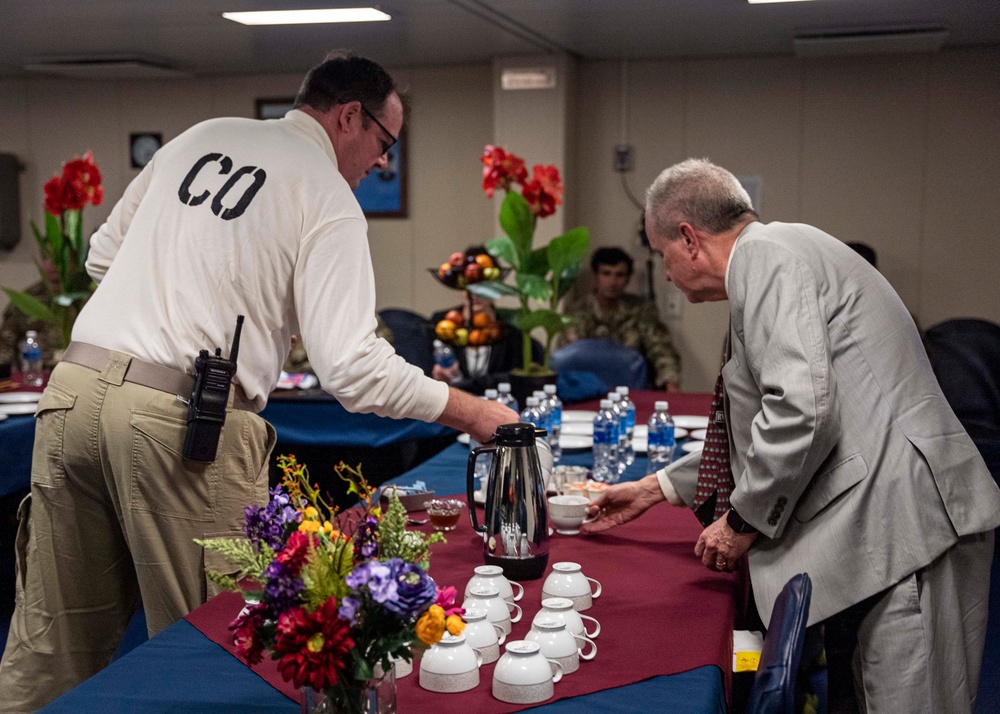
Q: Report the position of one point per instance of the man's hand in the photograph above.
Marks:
(720, 547)
(622, 503)
(479, 417)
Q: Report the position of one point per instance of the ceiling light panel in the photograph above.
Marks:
(766, 2)
(308, 17)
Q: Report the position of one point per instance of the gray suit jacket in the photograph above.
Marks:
(845, 454)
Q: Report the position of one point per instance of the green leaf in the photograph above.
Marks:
(503, 247)
(567, 280)
(536, 318)
(538, 262)
(492, 289)
(567, 250)
(518, 222)
(53, 235)
(535, 286)
(507, 314)
(73, 221)
(31, 307)
(362, 670)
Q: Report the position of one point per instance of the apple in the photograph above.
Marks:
(491, 273)
(473, 272)
(456, 317)
(443, 270)
(461, 337)
(457, 260)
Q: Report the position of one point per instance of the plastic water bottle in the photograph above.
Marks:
(506, 398)
(624, 444)
(31, 360)
(490, 395)
(485, 462)
(532, 414)
(629, 406)
(545, 411)
(444, 357)
(661, 438)
(555, 420)
(605, 444)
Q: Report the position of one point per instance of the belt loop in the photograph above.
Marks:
(115, 368)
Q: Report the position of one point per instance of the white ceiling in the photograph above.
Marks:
(192, 36)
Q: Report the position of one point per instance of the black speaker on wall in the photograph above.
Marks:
(10, 201)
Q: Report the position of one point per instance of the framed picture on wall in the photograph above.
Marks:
(382, 194)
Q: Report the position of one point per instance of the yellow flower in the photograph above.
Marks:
(328, 529)
(430, 626)
(309, 526)
(455, 624)
(310, 513)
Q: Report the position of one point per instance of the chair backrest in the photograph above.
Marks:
(412, 337)
(614, 364)
(966, 359)
(773, 689)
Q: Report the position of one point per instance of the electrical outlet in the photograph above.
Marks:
(623, 158)
(675, 303)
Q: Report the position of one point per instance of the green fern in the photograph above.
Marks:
(241, 555)
(397, 542)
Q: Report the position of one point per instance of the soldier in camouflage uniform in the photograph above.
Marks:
(611, 313)
(16, 323)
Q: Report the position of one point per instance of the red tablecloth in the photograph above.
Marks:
(692, 403)
(661, 611)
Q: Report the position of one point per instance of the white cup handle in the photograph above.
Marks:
(514, 618)
(597, 626)
(501, 635)
(479, 658)
(597, 593)
(591, 519)
(584, 641)
(557, 675)
(520, 590)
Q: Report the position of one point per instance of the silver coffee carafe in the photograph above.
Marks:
(515, 529)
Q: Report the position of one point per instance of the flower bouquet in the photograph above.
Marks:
(333, 596)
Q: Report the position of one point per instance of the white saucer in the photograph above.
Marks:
(692, 446)
(19, 397)
(572, 442)
(12, 409)
(464, 439)
(578, 428)
(699, 434)
(578, 415)
(689, 421)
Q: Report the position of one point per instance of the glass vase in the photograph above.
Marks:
(376, 696)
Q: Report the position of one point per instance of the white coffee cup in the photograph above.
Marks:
(560, 645)
(560, 608)
(483, 636)
(568, 513)
(492, 576)
(567, 580)
(498, 610)
(450, 666)
(523, 675)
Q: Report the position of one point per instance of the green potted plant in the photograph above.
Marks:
(540, 276)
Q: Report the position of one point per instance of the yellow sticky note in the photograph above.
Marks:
(746, 661)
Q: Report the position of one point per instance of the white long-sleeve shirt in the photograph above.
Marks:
(286, 245)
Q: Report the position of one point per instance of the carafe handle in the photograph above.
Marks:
(470, 484)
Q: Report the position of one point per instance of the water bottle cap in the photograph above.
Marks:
(34, 333)
(614, 396)
(550, 389)
(605, 404)
(503, 387)
(660, 406)
(490, 393)
(538, 393)
(437, 343)
(622, 390)
(532, 401)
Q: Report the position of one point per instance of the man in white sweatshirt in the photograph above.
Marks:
(233, 217)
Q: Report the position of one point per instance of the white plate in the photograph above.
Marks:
(19, 397)
(575, 441)
(578, 428)
(692, 446)
(699, 434)
(578, 415)
(642, 432)
(640, 446)
(689, 421)
(2, 417)
(464, 439)
(18, 408)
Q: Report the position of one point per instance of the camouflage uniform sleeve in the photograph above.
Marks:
(657, 346)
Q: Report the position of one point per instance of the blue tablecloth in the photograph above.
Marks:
(17, 437)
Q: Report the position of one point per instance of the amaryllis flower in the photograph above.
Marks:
(54, 196)
(82, 181)
(544, 192)
(296, 551)
(446, 601)
(415, 589)
(314, 646)
(501, 169)
(246, 626)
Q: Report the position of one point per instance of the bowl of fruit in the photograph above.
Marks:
(481, 330)
(464, 269)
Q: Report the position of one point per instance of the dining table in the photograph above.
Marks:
(665, 641)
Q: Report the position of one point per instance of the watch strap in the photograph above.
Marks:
(736, 522)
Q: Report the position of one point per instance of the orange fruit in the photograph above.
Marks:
(478, 337)
(484, 260)
(445, 330)
(481, 319)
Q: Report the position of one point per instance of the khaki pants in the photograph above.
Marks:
(112, 517)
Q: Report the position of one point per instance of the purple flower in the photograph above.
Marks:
(282, 588)
(268, 524)
(376, 577)
(415, 589)
(365, 543)
(349, 610)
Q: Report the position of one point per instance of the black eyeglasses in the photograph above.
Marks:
(385, 145)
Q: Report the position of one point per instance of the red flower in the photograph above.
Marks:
(54, 196)
(544, 192)
(501, 169)
(79, 185)
(446, 601)
(246, 625)
(296, 551)
(313, 646)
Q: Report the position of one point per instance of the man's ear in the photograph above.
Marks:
(690, 237)
(345, 114)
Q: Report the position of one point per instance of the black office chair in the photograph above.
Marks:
(614, 364)
(412, 336)
(773, 689)
(965, 355)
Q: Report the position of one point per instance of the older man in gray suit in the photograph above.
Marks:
(848, 462)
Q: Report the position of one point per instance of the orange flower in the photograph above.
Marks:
(430, 627)
(454, 624)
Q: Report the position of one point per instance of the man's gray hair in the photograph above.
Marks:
(700, 193)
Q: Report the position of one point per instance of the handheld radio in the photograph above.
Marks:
(209, 398)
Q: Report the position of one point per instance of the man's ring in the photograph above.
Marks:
(720, 562)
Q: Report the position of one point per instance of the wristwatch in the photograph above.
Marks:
(737, 523)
